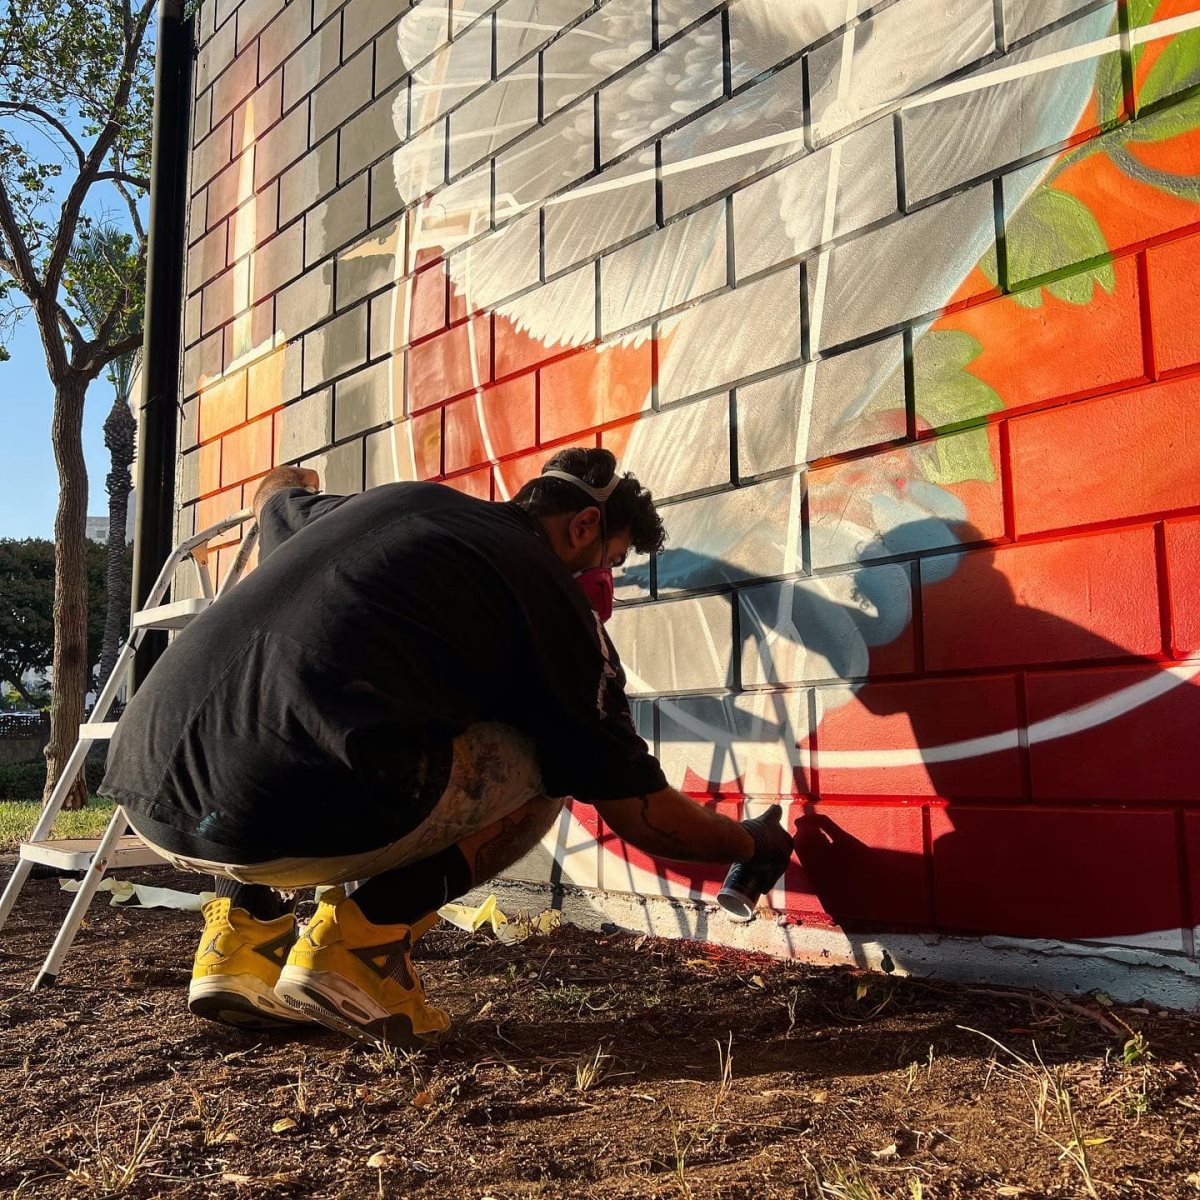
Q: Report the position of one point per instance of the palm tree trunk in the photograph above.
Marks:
(70, 665)
(120, 437)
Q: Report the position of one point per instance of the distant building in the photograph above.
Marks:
(97, 527)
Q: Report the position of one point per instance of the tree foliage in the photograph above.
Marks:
(27, 608)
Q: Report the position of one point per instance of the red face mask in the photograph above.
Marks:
(597, 585)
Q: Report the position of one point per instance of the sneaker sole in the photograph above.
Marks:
(337, 1004)
(241, 1001)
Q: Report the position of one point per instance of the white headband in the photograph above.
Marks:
(600, 495)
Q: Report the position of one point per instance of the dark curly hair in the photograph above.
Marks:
(630, 506)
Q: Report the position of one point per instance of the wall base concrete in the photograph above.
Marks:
(1127, 974)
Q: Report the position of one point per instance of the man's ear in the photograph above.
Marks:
(582, 526)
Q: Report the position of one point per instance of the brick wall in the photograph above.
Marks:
(892, 306)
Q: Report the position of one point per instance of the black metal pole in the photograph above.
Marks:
(158, 416)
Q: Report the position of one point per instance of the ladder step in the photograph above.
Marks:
(75, 854)
(97, 731)
(170, 616)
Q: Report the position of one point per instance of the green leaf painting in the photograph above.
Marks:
(1175, 70)
(959, 457)
(1053, 231)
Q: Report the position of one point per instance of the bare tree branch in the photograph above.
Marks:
(120, 177)
(24, 108)
(135, 217)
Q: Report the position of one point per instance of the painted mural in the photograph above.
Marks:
(893, 306)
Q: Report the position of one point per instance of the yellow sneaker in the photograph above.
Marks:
(358, 978)
(236, 968)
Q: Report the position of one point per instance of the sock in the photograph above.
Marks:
(262, 903)
(403, 895)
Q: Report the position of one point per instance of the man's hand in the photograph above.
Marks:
(280, 479)
(773, 848)
(669, 825)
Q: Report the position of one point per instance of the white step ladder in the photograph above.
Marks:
(116, 847)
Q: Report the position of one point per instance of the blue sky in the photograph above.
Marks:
(28, 480)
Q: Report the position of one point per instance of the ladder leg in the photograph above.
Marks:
(83, 898)
(42, 829)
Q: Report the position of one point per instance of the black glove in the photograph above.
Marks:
(772, 851)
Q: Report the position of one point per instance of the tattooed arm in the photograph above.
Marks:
(667, 824)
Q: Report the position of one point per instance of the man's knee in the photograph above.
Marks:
(499, 846)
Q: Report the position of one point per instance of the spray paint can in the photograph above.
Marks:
(747, 881)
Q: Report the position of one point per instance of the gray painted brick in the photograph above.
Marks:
(361, 401)
(774, 105)
(653, 452)
(228, 189)
(343, 93)
(188, 485)
(188, 418)
(305, 427)
(281, 146)
(335, 348)
(452, 76)
(387, 455)
(424, 30)
(385, 199)
(340, 469)
(363, 19)
(280, 260)
(252, 330)
(858, 400)
(663, 270)
(333, 222)
(235, 83)
(206, 14)
(419, 166)
(324, 9)
(306, 302)
(678, 80)
(389, 66)
(492, 119)
(967, 137)
(578, 229)
(370, 264)
(283, 36)
(259, 111)
(369, 136)
(387, 322)
(727, 538)
(720, 341)
(676, 646)
(897, 51)
(781, 217)
(308, 181)
(207, 258)
(924, 256)
(459, 212)
(523, 26)
(204, 360)
(191, 320)
(197, 215)
(315, 60)
(201, 117)
(596, 48)
(465, 13)
(834, 624)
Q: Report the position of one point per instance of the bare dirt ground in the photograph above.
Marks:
(582, 1066)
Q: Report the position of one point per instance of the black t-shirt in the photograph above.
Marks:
(310, 710)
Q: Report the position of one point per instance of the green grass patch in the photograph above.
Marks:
(18, 817)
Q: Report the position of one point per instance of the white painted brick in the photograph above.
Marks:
(608, 209)
(254, 223)
(897, 52)
(676, 15)
(594, 50)
(822, 628)
(253, 16)
(694, 169)
(283, 36)
(491, 120)
(523, 26)
(732, 536)
(419, 166)
(685, 76)
(858, 400)
(748, 739)
(235, 83)
(212, 154)
(675, 646)
(456, 214)
(423, 29)
(782, 217)
(316, 59)
(721, 341)
(663, 270)
(389, 452)
(762, 33)
(654, 455)
(924, 258)
(363, 19)
(557, 154)
(967, 137)
(508, 261)
(453, 75)
(215, 55)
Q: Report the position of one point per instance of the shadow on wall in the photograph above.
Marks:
(915, 796)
